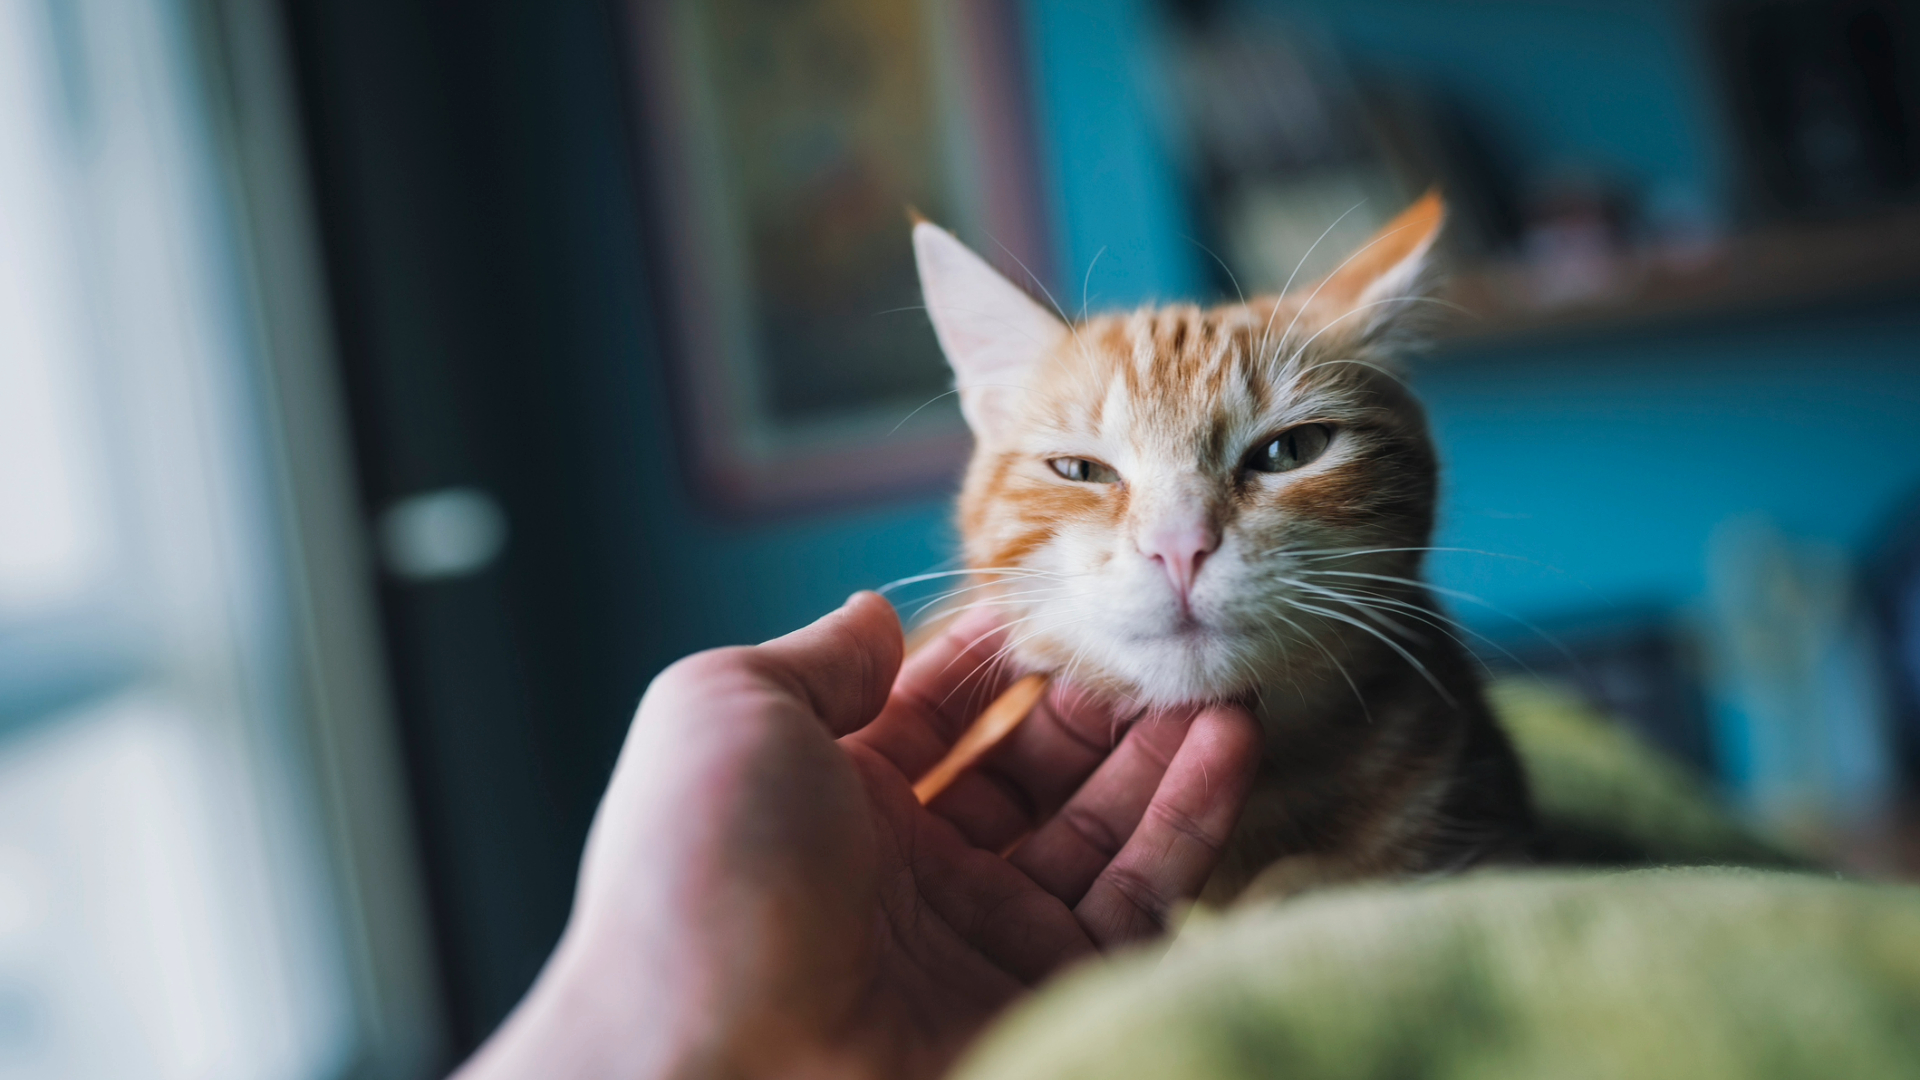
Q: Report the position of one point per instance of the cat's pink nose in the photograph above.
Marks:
(1180, 550)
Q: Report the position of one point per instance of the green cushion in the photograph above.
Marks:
(1684, 973)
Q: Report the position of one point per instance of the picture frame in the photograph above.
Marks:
(786, 144)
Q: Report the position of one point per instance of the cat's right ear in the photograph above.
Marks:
(991, 331)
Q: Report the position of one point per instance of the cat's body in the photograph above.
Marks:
(1179, 504)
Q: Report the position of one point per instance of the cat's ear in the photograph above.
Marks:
(1371, 296)
(991, 331)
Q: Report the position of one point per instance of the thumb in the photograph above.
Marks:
(843, 664)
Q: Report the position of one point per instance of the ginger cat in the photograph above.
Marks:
(1184, 504)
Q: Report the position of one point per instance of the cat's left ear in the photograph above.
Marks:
(991, 331)
(1372, 294)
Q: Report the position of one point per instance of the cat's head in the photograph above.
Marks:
(1180, 504)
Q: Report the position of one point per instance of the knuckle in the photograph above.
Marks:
(1181, 823)
(707, 666)
(1075, 726)
(690, 685)
(1147, 742)
(1094, 832)
(1141, 895)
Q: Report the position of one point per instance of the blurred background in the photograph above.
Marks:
(389, 388)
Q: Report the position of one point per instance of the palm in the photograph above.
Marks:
(854, 926)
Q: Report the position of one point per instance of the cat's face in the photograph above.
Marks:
(1180, 504)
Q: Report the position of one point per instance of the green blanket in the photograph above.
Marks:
(1702, 972)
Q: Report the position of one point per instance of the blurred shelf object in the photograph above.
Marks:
(1824, 103)
(1885, 848)
(1768, 269)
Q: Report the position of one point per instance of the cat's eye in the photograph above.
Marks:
(1291, 448)
(1082, 470)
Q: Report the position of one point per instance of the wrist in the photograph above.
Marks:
(590, 1016)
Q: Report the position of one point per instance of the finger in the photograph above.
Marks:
(940, 690)
(992, 907)
(1039, 766)
(1069, 851)
(842, 666)
(1182, 833)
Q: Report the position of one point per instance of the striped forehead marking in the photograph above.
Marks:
(1168, 355)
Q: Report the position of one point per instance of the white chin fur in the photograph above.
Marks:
(1157, 672)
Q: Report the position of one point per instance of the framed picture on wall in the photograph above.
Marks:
(786, 143)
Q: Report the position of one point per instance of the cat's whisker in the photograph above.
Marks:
(1355, 310)
(1071, 670)
(1037, 283)
(1438, 620)
(916, 411)
(1007, 571)
(1394, 579)
(1006, 650)
(1315, 641)
(1007, 598)
(1065, 673)
(1088, 280)
(1072, 327)
(1237, 291)
(998, 629)
(1380, 238)
(1311, 248)
(1381, 369)
(941, 597)
(1236, 662)
(1384, 639)
(1372, 611)
(1254, 675)
(951, 615)
(1415, 585)
(1448, 626)
(1422, 611)
(1439, 301)
(1345, 553)
(983, 665)
(1016, 600)
(1464, 597)
(1136, 712)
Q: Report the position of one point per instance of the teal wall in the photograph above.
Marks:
(1599, 469)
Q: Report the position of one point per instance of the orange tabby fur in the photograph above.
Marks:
(1381, 755)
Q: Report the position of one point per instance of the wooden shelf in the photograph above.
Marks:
(1759, 271)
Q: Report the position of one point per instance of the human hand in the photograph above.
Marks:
(762, 894)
